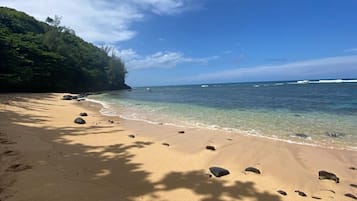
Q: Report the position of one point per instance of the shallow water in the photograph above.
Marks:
(325, 112)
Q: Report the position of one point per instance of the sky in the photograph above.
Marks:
(170, 42)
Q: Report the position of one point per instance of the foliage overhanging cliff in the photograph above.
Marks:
(40, 57)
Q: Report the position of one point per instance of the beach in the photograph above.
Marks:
(46, 156)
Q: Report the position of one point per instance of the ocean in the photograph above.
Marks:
(317, 113)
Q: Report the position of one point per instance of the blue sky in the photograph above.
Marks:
(167, 42)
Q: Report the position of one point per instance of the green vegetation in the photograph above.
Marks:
(38, 57)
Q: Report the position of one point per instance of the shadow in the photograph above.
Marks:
(212, 188)
(112, 168)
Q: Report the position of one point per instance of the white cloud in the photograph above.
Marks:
(99, 21)
(167, 59)
(330, 67)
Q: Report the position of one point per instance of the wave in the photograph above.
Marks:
(335, 81)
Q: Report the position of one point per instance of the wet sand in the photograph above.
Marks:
(46, 156)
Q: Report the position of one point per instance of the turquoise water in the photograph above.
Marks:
(325, 112)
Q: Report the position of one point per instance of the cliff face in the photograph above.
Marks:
(40, 57)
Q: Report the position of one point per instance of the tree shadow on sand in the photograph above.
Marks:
(115, 166)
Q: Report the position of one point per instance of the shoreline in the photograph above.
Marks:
(296, 140)
(68, 159)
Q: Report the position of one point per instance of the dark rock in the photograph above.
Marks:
(210, 148)
(131, 136)
(302, 135)
(83, 114)
(18, 167)
(79, 120)
(353, 185)
(297, 115)
(281, 192)
(9, 153)
(111, 121)
(252, 169)
(5, 141)
(67, 97)
(74, 97)
(301, 193)
(316, 198)
(328, 175)
(353, 168)
(209, 175)
(166, 144)
(350, 195)
(181, 132)
(218, 171)
(335, 134)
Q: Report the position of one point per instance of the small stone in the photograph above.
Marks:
(252, 169)
(209, 175)
(350, 195)
(79, 120)
(301, 193)
(316, 198)
(281, 192)
(353, 168)
(210, 148)
(181, 132)
(218, 171)
(83, 114)
(131, 136)
(166, 144)
(353, 185)
(18, 167)
(111, 121)
(67, 97)
(328, 175)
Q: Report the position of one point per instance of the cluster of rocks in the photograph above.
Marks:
(220, 172)
(80, 97)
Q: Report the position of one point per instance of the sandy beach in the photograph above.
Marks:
(45, 156)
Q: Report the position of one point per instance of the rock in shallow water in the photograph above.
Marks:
(302, 135)
(79, 120)
(334, 134)
(218, 171)
(328, 175)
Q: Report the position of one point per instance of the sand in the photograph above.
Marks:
(45, 156)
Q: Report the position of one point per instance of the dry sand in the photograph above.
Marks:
(54, 159)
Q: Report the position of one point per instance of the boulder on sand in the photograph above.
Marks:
(328, 175)
(79, 120)
(67, 97)
(218, 171)
(83, 114)
(209, 147)
(253, 169)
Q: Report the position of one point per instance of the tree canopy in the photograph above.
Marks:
(37, 56)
